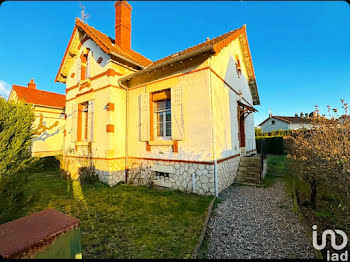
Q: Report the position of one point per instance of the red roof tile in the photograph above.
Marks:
(107, 44)
(39, 97)
(218, 43)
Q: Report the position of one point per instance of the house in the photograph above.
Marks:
(273, 123)
(49, 111)
(186, 119)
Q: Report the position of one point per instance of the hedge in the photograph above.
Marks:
(273, 145)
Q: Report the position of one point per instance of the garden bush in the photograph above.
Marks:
(16, 121)
(273, 145)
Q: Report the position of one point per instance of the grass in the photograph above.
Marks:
(123, 221)
(330, 213)
(276, 169)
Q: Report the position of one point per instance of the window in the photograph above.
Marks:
(273, 122)
(83, 113)
(162, 109)
(238, 67)
(161, 176)
(84, 65)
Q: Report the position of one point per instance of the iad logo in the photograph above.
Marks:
(331, 256)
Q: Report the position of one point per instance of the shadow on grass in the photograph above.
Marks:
(123, 221)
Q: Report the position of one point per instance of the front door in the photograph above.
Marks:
(241, 132)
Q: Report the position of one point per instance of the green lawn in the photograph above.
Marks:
(123, 221)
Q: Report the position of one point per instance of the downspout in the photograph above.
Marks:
(126, 128)
(213, 133)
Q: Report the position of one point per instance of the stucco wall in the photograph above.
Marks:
(268, 127)
(195, 144)
(107, 148)
(49, 142)
(226, 135)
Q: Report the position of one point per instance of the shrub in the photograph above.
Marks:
(273, 145)
(16, 121)
(88, 175)
(322, 154)
(45, 163)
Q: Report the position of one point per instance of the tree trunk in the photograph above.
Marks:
(313, 185)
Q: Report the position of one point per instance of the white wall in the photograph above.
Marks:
(225, 102)
(268, 127)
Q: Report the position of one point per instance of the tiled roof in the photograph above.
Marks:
(293, 119)
(107, 44)
(290, 119)
(217, 43)
(39, 97)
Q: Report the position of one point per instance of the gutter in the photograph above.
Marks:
(127, 59)
(167, 62)
(126, 128)
(213, 134)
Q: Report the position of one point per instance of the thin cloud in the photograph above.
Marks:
(5, 89)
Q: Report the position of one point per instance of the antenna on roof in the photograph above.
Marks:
(270, 115)
(84, 16)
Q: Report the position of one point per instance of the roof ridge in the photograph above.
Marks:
(130, 55)
(38, 90)
(211, 41)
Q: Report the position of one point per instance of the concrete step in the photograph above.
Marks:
(249, 164)
(252, 180)
(248, 174)
(250, 159)
(249, 168)
(249, 184)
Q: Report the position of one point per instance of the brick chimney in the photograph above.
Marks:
(31, 84)
(123, 24)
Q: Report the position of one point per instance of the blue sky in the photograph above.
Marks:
(300, 50)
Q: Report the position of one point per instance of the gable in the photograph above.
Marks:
(80, 34)
(211, 47)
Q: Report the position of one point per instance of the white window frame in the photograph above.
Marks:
(164, 121)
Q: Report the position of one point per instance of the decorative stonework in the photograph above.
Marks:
(180, 179)
(180, 176)
(109, 171)
(227, 172)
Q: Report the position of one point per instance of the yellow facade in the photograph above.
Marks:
(49, 121)
(112, 125)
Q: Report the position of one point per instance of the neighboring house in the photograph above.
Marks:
(187, 118)
(49, 120)
(274, 123)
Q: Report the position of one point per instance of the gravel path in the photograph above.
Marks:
(254, 222)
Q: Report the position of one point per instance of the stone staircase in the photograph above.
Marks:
(249, 171)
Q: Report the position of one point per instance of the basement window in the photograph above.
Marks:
(161, 175)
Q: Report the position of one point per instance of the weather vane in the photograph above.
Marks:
(84, 16)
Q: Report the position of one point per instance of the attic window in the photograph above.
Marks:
(273, 122)
(238, 67)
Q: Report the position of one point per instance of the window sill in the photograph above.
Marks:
(84, 83)
(161, 143)
(82, 143)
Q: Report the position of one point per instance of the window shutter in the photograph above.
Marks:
(74, 125)
(144, 117)
(78, 70)
(88, 65)
(176, 113)
(90, 135)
